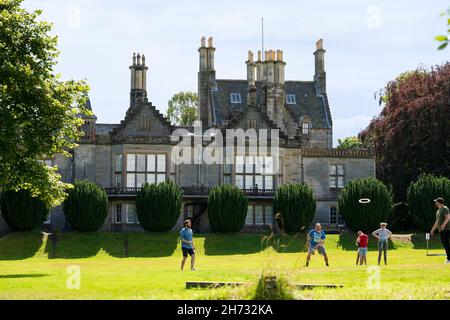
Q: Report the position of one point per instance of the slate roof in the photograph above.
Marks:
(104, 128)
(308, 101)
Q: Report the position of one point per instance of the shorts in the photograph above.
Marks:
(187, 251)
(362, 251)
(382, 245)
(321, 250)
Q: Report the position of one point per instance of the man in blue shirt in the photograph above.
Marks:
(316, 239)
(187, 244)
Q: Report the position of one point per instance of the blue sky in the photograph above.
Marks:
(368, 43)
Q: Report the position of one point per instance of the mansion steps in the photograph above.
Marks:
(121, 157)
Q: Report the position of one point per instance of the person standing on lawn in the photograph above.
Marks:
(316, 238)
(362, 242)
(383, 236)
(443, 225)
(187, 244)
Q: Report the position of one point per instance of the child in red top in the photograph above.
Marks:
(362, 242)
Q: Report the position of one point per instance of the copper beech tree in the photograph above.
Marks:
(411, 135)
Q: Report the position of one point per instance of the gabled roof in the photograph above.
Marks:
(308, 101)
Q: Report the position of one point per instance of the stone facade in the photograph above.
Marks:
(120, 157)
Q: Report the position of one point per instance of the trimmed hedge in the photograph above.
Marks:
(227, 208)
(296, 204)
(86, 206)
(400, 218)
(158, 206)
(365, 217)
(421, 194)
(21, 211)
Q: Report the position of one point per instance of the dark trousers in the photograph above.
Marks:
(445, 238)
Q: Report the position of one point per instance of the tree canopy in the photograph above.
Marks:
(411, 135)
(349, 143)
(39, 113)
(182, 108)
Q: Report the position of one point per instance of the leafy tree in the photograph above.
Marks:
(227, 208)
(444, 38)
(365, 216)
(158, 206)
(296, 204)
(411, 136)
(39, 112)
(182, 108)
(350, 143)
(421, 194)
(86, 206)
(21, 211)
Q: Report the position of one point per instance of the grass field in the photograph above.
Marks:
(29, 271)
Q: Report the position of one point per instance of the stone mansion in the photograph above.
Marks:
(121, 157)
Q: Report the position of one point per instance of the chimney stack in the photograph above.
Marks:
(138, 92)
(206, 81)
(320, 74)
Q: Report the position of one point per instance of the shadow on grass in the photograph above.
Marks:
(347, 241)
(141, 245)
(419, 242)
(290, 243)
(75, 245)
(217, 244)
(14, 276)
(20, 245)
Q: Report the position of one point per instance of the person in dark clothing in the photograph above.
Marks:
(442, 224)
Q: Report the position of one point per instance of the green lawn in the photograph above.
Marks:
(29, 271)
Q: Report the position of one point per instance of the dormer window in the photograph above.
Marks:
(235, 98)
(290, 99)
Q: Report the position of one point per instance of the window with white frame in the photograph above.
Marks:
(335, 217)
(118, 170)
(305, 127)
(118, 213)
(132, 217)
(259, 215)
(235, 98)
(290, 99)
(227, 174)
(142, 168)
(254, 172)
(337, 176)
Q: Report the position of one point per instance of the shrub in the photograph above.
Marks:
(365, 217)
(86, 206)
(21, 211)
(158, 206)
(400, 218)
(421, 194)
(271, 286)
(227, 208)
(296, 204)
